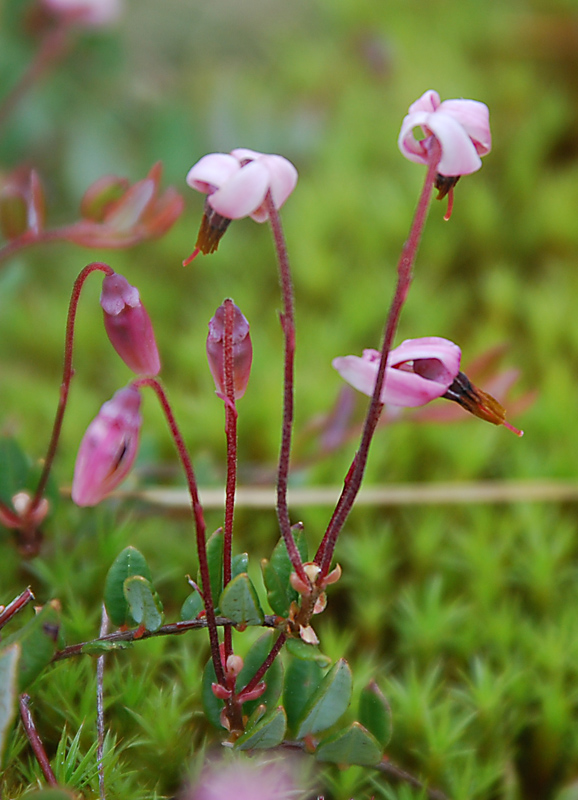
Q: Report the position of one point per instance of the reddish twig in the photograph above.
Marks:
(35, 740)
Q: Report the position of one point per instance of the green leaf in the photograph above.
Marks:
(38, 641)
(301, 679)
(215, 561)
(257, 654)
(144, 603)
(239, 564)
(329, 701)
(375, 713)
(128, 563)
(277, 571)
(212, 705)
(8, 690)
(49, 794)
(307, 652)
(239, 601)
(192, 606)
(266, 733)
(354, 745)
(14, 467)
(101, 648)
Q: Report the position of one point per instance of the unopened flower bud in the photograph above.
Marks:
(102, 195)
(128, 325)
(108, 448)
(234, 666)
(242, 349)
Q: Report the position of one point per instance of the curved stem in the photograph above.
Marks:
(273, 653)
(231, 434)
(288, 326)
(198, 516)
(67, 374)
(356, 471)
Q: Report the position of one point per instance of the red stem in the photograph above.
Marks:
(15, 606)
(231, 433)
(288, 326)
(67, 374)
(356, 471)
(35, 740)
(200, 526)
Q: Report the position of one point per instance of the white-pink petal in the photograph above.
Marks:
(243, 193)
(212, 171)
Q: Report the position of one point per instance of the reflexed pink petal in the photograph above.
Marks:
(417, 371)
(242, 193)
(474, 117)
(212, 171)
(461, 128)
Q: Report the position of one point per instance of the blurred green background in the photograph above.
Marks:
(467, 613)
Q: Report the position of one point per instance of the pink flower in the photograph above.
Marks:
(257, 778)
(89, 13)
(238, 182)
(461, 127)
(242, 349)
(128, 325)
(417, 371)
(236, 185)
(108, 448)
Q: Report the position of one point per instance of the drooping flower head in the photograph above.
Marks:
(461, 128)
(128, 325)
(417, 371)
(236, 185)
(242, 349)
(108, 448)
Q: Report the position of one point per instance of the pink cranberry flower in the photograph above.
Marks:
(88, 13)
(242, 349)
(461, 127)
(128, 325)
(417, 371)
(236, 185)
(258, 778)
(108, 448)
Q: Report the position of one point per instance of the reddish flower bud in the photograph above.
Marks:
(108, 448)
(21, 204)
(242, 350)
(128, 325)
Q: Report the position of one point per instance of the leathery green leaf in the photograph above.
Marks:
(13, 469)
(38, 641)
(258, 652)
(215, 561)
(301, 679)
(128, 563)
(307, 652)
(8, 690)
(239, 564)
(375, 713)
(268, 732)
(239, 601)
(329, 701)
(192, 606)
(277, 571)
(354, 745)
(211, 704)
(144, 603)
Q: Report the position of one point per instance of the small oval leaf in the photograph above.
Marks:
(38, 640)
(258, 652)
(215, 561)
(128, 563)
(239, 602)
(239, 564)
(8, 690)
(307, 652)
(301, 679)
(329, 701)
(211, 704)
(354, 745)
(192, 606)
(375, 713)
(268, 732)
(277, 571)
(144, 603)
